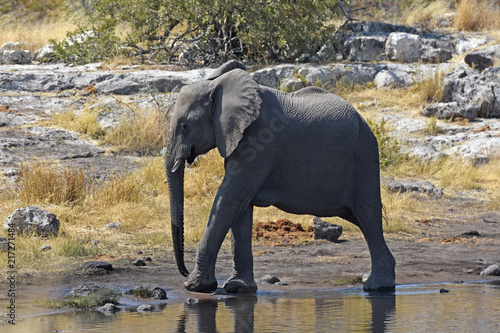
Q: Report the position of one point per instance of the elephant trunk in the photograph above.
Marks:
(175, 179)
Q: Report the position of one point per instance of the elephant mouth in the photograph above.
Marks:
(192, 156)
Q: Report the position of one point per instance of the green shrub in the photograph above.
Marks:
(388, 146)
(209, 30)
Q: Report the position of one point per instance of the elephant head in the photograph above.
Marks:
(208, 114)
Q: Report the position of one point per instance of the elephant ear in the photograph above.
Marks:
(236, 104)
(226, 67)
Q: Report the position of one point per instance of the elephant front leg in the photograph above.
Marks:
(222, 216)
(242, 279)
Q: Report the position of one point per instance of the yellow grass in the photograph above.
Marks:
(34, 34)
(477, 15)
(425, 14)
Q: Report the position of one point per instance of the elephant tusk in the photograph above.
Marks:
(177, 164)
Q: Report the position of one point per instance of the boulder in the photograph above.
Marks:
(97, 265)
(373, 27)
(118, 86)
(16, 57)
(291, 84)
(464, 45)
(365, 48)
(403, 47)
(33, 220)
(85, 289)
(269, 279)
(418, 186)
(392, 78)
(10, 46)
(109, 308)
(45, 54)
(436, 50)
(266, 77)
(492, 270)
(475, 92)
(145, 308)
(447, 111)
(325, 230)
(317, 76)
(158, 293)
(484, 58)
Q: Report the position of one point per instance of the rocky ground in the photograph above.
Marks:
(457, 242)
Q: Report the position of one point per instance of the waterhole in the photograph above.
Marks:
(456, 307)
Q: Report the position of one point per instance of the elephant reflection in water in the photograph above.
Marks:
(204, 313)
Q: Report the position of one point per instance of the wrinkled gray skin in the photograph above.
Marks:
(307, 152)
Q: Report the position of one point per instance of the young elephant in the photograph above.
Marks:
(307, 152)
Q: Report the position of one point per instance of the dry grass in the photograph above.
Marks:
(424, 14)
(141, 131)
(477, 15)
(34, 34)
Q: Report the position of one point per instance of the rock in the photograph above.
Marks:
(403, 47)
(418, 186)
(291, 85)
(139, 262)
(45, 54)
(392, 78)
(158, 293)
(16, 57)
(33, 220)
(325, 230)
(317, 76)
(365, 48)
(269, 279)
(112, 225)
(464, 45)
(109, 308)
(219, 291)
(475, 92)
(118, 86)
(491, 218)
(10, 46)
(109, 120)
(373, 27)
(492, 270)
(435, 50)
(483, 58)
(148, 259)
(145, 308)
(45, 247)
(97, 265)
(85, 289)
(443, 291)
(447, 111)
(266, 77)
(326, 53)
(4, 244)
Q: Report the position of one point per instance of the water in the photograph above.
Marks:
(412, 308)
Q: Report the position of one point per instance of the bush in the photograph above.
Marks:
(388, 146)
(208, 31)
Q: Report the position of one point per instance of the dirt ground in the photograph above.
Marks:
(453, 248)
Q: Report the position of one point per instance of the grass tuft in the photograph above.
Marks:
(477, 15)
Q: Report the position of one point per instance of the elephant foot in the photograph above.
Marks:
(195, 282)
(379, 281)
(240, 286)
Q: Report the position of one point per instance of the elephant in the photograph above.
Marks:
(306, 152)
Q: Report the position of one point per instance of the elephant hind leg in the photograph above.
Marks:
(382, 276)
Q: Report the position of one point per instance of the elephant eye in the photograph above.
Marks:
(183, 127)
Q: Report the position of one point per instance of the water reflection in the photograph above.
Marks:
(204, 313)
(242, 309)
(412, 308)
